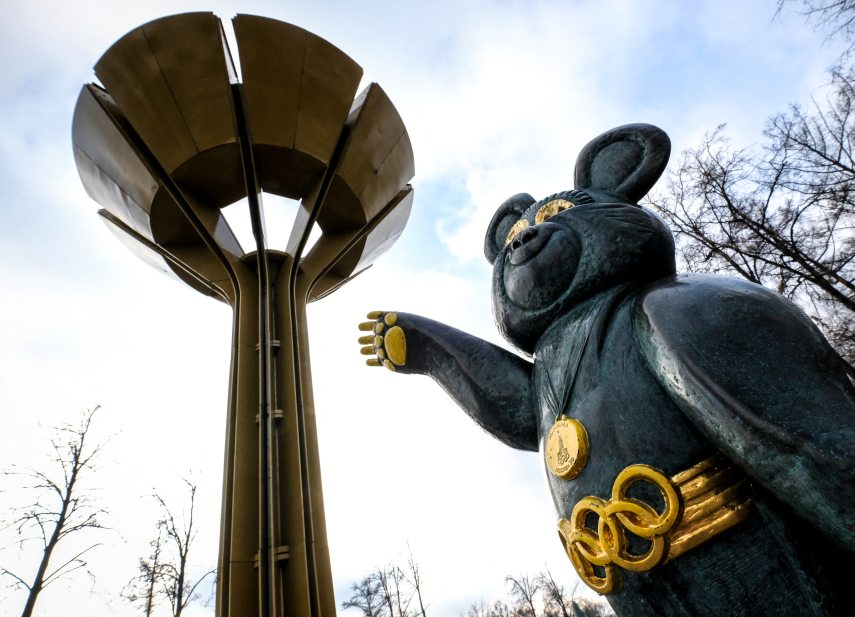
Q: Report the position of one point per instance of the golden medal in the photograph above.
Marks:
(566, 448)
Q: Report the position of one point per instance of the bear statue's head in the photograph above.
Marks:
(552, 254)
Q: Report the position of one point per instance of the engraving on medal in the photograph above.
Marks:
(563, 455)
(567, 448)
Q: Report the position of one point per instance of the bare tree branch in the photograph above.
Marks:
(835, 17)
(76, 562)
(18, 580)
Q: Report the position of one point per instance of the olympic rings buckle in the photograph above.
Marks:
(700, 503)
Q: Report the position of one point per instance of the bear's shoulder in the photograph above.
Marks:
(719, 319)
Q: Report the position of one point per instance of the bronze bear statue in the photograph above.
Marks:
(698, 431)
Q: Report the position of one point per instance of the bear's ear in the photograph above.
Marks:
(626, 161)
(508, 213)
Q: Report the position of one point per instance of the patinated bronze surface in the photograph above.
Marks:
(720, 477)
(172, 138)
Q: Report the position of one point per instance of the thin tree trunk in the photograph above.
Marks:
(179, 590)
(38, 582)
(149, 605)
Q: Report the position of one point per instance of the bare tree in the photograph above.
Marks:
(556, 603)
(781, 217)
(478, 609)
(539, 596)
(389, 591)
(165, 574)
(395, 595)
(179, 589)
(60, 508)
(524, 590)
(366, 597)
(144, 588)
(414, 577)
(588, 608)
(482, 609)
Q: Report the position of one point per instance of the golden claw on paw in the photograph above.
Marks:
(388, 344)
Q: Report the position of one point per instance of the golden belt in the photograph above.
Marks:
(700, 503)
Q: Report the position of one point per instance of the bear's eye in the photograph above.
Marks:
(518, 227)
(547, 211)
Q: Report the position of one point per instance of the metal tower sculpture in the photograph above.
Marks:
(173, 137)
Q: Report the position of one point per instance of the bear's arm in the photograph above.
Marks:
(756, 376)
(491, 384)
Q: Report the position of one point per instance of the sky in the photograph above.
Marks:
(498, 97)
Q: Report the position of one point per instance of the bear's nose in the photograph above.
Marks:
(526, 235)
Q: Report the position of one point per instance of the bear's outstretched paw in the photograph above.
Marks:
(387, 343)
